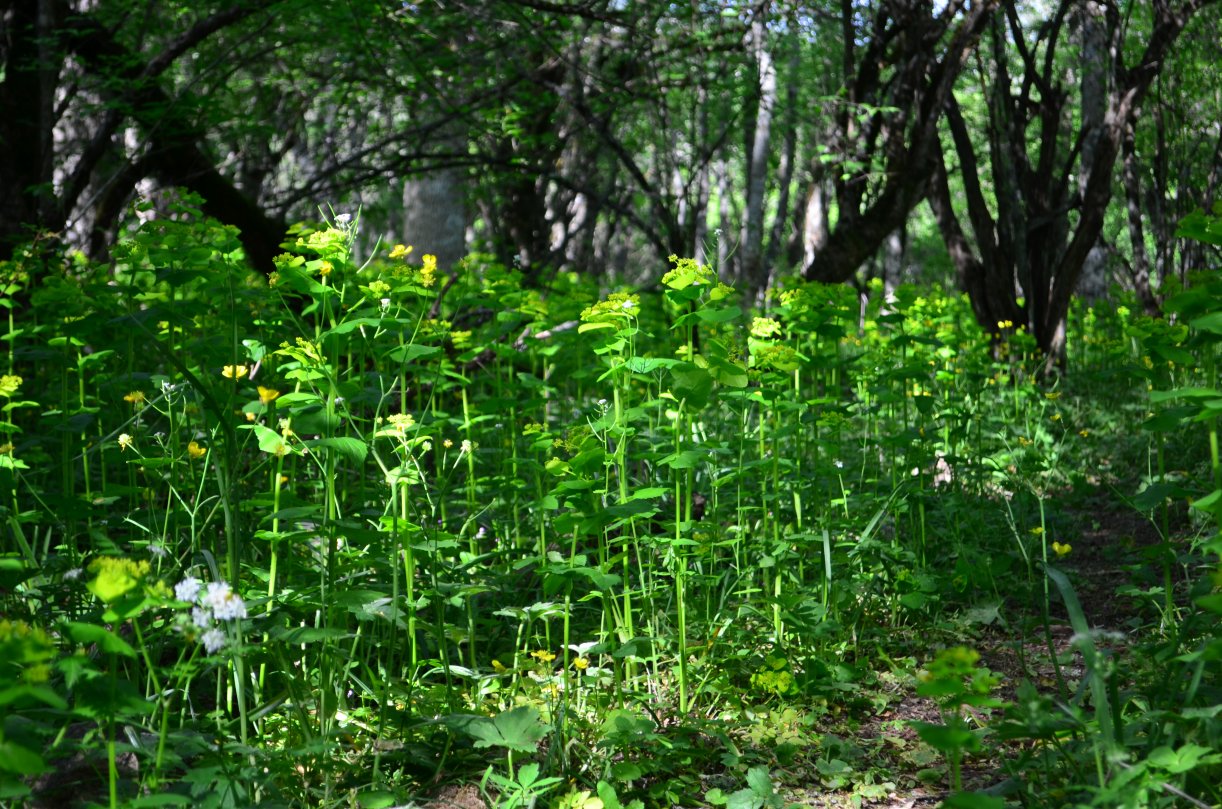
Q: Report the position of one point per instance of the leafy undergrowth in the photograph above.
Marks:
(374, 536)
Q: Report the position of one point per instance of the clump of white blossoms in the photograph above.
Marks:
(213, 606)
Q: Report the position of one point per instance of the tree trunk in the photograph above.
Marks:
(26, 123)
(1140, 267)
(753, 273)
(435, 215)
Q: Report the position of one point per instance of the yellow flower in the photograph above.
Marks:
(401, 421)
(447, 443)
(6, 449)
(250, 416)
(284, 479)
(9, 384)
(267, 395)
(543, 656)
(195, 450)
(499, 667)
(1052, 397)
(1038, 530)
(325, 269)
(1056, 416)
(1061, 550)
(136, 397)
(1084, 433)
(400, 251)
(429, 270)
(581, 663)
(765, 327)
(286, 427)
(234, 371)
(125, 441)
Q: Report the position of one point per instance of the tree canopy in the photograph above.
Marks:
(1024, 145)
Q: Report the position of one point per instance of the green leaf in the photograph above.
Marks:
(721, 314)
(1208, 502)
(412, 352)
(974, 800)
(106, 640)
(610, 800)
(517, 729)
(1185, 393)
(943, 738)
(1186, 758)
(37, 692)
(309, 634)
(682, 460)
(19, 760)
(759, 781)
(691, 384)
(270, 441)
(1211, 322)
(353, 449)
(376, 799)
(164, 799)
(351, 325)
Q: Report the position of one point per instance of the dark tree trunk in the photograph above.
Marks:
(907, 138)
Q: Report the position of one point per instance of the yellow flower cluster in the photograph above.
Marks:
(9, 384)
(765, 327)
(617, 306)
(28, 647)
(428, 272)
(115, 577)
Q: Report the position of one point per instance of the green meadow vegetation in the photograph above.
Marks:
(352, 535)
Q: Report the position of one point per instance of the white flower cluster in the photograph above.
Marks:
(213, 603)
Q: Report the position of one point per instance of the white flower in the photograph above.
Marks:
(73, 574)
(125, 441)
(187, 589)
(159, 551)
(224, 602)
(839, 464)
(201, 618)
(213, 640)
(466, 447)
(343, 218)
(385, 303)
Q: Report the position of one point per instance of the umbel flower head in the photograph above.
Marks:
(213, 606)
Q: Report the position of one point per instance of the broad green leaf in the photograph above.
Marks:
(353, 449)
(410, 353)
(517, 729)
(106, 640)
(943, 738)
(36, 692)
(973, 800)
(692, 384)
(683, 460)
(1184, 759)
(20, 760)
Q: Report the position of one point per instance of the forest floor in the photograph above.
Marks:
(900, 771)
(1110, 538)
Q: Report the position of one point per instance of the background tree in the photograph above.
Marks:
(1051, 188)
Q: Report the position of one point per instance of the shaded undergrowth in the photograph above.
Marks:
(343, 535)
